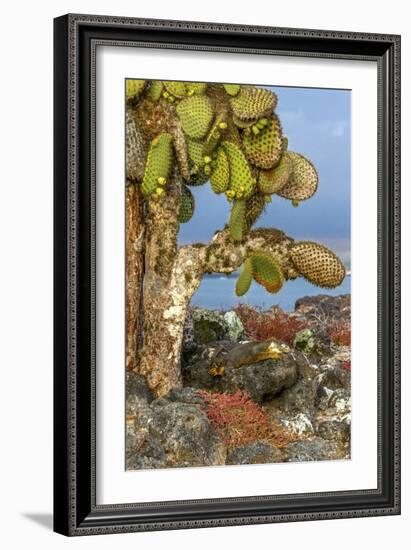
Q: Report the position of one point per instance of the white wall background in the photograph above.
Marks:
(26, 270)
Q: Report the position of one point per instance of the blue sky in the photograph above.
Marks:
(317, 124)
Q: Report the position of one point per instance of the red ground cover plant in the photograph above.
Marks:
(240, 421)
(347, 365)
(340, 333)
(262, 325)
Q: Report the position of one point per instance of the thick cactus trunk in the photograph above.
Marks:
(134, 273)
(166, 295)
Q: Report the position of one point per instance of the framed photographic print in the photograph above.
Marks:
(227, 280)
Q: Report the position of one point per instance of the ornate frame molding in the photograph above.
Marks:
(76, 40)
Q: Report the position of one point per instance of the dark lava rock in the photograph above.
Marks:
(334, 377)
(325, 307)
(185, 433)
(314, 342)
(307, 450)
(259, 452)
(300, 398)
(185, 395)
(150, 454)
(261, 380)
(334, 430)
(136, 385)
(205, 325)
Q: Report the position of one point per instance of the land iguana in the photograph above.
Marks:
(246, 354)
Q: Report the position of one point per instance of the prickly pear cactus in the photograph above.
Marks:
(255, 206)
(242, 181)
(187, 205)
(265, 269)
(272, 181)
(267, 272)
(317, 264)
(303, 182)
(134, 88)
(180, 135)
(196, 115)
(252, 103)
(158, 165)
(237, 220)
(220, 176)
(263, 144)
(245, 278)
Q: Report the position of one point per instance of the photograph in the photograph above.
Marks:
(237, 203)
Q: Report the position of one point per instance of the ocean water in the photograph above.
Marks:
(218, 291)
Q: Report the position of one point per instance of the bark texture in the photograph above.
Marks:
(134, 273)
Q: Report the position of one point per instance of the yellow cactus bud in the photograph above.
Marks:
(255, 130)
(223, 125)
(207, 159)
(230, 194)
(159, 191)
(162, 180)
(295, 203)
(207, 169)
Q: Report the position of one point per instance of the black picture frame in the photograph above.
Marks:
(75, 40)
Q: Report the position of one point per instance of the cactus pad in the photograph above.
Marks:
(271, 181)
(317, 264)
(196, 114)
(195, 151)
(159, 163)
(232, 89)
(155, 90)
(237, 220)
(252, 103)
(264, 149)
(242, 123)
(241, 178)
(267, 272)
(254, 208)
(134, 88)
(187, 205)
(220, 176)
(196, 88)
(245, 278)
(177, 89)
(303, 182)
